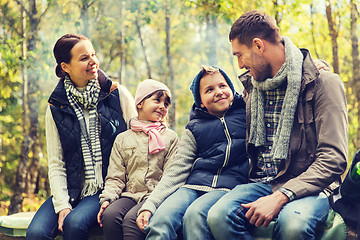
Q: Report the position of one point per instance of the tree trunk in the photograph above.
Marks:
(355, 63)
(142, 45)
(312, 29)
(172, 116)
(31, 139)
(19, 187)
(211, 39)
(85, 18)
(121, 43)
(333, 35)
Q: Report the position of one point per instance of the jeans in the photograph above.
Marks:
(119, 220)
(298, 219)
(185, 207)
(77, 223)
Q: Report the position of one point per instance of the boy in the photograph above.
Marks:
(210, 161)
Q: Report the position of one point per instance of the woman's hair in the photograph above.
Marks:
(62, 50)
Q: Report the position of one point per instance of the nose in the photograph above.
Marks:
(219, 91)
(240, 63)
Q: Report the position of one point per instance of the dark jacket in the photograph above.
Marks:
(319, 137)
(112, 123)
(221, 159)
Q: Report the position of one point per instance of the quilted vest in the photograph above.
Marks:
(112, 123)
(221, 158)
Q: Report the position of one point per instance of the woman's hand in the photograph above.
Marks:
(143, 220)
(101, 211)
(62, 215)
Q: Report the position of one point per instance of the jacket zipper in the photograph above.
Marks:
(227, 153)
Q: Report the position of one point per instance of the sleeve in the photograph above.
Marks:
(176, 175)
(56, 165)
(172, 150)
(127, 104)
(115, 179)
(331, 123)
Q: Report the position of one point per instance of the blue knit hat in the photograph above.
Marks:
(195, 86)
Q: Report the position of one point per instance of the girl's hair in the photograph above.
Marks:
(62, 50)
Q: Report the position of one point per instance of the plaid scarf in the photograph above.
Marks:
(90, 142)
(292, 72)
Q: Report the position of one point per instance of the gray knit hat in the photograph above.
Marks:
(195, 86)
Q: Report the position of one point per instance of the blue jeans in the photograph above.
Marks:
(77, 223)
(297, 220)
(185, 207)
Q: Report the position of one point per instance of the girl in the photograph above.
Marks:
(138, 159)
(86, 112)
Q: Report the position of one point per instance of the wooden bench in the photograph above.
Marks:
(14, 227)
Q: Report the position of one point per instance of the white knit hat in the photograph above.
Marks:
(148, 87)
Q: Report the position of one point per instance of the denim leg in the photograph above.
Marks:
(300, 218)
(226, 219)
(44, 225)
(167, 220)
(78, 222)
(194, 221)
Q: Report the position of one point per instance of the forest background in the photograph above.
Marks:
(167, 40)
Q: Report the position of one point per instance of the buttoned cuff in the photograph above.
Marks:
(288, 193)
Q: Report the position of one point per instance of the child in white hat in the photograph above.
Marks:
(138, 159)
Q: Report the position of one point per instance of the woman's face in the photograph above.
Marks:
(83, 65)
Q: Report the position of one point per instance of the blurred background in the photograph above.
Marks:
(167, 40)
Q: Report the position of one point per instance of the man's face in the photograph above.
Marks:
(251, 59)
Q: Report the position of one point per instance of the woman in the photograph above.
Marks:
(86, 112)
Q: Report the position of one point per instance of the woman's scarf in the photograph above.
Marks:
(90, 142)
(292, 72)
(152, 129)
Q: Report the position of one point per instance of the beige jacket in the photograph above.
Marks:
(133, 172)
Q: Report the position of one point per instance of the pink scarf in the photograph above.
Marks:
(152, 129)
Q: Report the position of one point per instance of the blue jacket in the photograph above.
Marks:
(112, 123)
(221, 158)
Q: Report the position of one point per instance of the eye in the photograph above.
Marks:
(83, 59)
(209, 90)
(166, 105)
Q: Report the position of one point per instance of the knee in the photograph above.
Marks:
(73, 223)
(35, 232)
(194, 215)
(217, 214)
(296, 228)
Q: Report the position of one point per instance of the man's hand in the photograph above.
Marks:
(143, 220)
(62, 215)
(265, 209)
(104, 205)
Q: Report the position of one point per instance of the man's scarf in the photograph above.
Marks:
(291, 71)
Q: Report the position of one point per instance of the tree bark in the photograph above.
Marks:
(172, 111)
(142, 45)
(211, 38)
(355, 63)
(333, 35)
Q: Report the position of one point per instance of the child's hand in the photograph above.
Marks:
(102, 208)
(143, 219)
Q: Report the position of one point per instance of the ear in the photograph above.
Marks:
(65, 67)
(258, 45)
(140, 105)
(202, 105)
